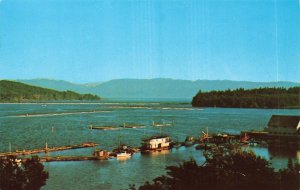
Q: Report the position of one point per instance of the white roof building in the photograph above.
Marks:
(156, 142)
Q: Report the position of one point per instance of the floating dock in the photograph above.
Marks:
(47, 149)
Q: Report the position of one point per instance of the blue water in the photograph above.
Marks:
(27, 126)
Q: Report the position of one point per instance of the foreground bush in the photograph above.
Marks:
(226, 170)
(27, 175)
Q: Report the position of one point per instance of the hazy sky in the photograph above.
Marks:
(88, 40)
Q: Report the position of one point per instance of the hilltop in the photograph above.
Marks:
(11, 91)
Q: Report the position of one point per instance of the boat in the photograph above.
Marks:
(101, 154)
(123, 151)
(245, 139)
(176, 144)
(205, 137)
(189, 141)
(123, 155)
(124, 148)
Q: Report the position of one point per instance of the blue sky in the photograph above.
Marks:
(88, 40)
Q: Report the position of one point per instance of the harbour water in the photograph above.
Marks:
(28, 126)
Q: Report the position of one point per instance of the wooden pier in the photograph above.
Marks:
(47, 149)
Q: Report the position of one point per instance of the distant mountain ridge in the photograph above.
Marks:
(60, 85)
(153, 88)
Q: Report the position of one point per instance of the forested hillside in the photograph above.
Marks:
(253, 98)
(18, 92)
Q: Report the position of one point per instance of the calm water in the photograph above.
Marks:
(31, 125)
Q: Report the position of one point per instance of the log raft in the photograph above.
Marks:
(70, 158)
(49, 149)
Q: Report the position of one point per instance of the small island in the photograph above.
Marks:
(253, 98)
(14, 92)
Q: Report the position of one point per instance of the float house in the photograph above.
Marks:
(284, 130)
(156, 143)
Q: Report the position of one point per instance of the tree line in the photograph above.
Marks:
(18, 92)
(252, 98)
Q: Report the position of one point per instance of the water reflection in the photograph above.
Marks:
(283, 152)
(157, 153)
(123, 158)
(278, 156)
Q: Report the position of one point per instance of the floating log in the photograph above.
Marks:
(132, 126)
(154, 124)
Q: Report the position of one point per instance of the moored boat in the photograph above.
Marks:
(189, 141)
(123, 155)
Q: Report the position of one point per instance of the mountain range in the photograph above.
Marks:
(159, 88)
